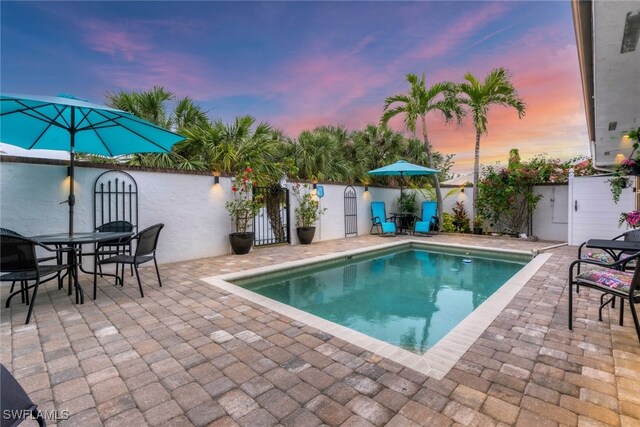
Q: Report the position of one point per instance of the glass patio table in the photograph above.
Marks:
(76, 240)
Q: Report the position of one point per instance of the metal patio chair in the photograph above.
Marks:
(610, 280)
(146, 244)
(19, 263)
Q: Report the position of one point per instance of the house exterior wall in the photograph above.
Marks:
(592, 212)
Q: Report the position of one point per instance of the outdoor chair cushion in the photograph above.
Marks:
(617, 281)
(387, 227)
(603, 257)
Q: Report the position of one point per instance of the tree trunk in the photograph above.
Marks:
(436, 181)
(476, 173)
(273, 199)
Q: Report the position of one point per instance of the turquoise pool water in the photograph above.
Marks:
(410, 298)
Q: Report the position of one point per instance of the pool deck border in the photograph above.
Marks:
(440, 358)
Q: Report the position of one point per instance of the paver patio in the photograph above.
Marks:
(191, 354)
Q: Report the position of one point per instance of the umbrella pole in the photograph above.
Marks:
(72, 157)
(401, 206)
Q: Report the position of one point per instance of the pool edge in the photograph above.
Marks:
(438, 360)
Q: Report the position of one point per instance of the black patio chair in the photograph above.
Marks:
(111, 248)
(16, 404)
(146, 244)
(25, 295)
(18, 263)
(610, 279)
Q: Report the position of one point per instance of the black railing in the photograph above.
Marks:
(350, 212)
(271, 224)
(115, 198)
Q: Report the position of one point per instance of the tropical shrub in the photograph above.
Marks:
(308, 211)
(460, 218)
(244, 207)
(407, 203)
(447, 223)
(505, 195)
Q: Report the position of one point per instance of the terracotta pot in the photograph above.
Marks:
(241, 243)
(305, 234)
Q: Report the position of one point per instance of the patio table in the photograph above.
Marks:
(615, 248)
(76, 240)
(403, 221)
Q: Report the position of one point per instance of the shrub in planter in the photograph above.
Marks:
(242, 209)
(307, 213)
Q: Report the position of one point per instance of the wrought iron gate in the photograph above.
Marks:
(271, 224)
(115, 198)
(350, 212)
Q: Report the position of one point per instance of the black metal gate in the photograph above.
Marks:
(350, 212)
(271, 224)
(115, 198)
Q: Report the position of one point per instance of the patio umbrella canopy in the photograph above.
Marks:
(402, 168)
(66, 123)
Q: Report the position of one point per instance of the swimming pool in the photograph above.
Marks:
(440, 356)
(410, 298)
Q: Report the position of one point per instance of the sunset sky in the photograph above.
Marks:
(298, 65)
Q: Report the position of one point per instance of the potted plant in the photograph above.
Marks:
(631, 166)
(477, 224)
(408, 207)
(307, 213)
(243, 208)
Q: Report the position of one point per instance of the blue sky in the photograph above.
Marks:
(302, 64)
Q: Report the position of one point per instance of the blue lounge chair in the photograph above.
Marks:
(379, 219)
(429, 219)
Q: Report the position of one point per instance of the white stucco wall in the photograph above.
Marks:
(550, 218)
(190, 206)
(192, 209)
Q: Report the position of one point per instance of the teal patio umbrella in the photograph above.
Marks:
(67, 123)
(402, 168)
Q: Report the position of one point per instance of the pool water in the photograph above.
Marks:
(411, 298)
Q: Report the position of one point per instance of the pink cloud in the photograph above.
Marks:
(459, 31)
(106, 38)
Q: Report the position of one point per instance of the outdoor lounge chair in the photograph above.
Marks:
(146, 244)
(18, 263)
(379, 219)
(429, 219)
(610, 280)
(17, 406)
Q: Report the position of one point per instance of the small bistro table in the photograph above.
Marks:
(615, 248)
(76, 240)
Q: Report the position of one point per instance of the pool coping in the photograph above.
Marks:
(440, 358)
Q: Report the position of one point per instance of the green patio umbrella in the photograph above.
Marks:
(67, 123)
(402, 168)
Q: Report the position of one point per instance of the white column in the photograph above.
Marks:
(570, 207)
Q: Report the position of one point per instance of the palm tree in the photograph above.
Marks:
(416, 104)
(151, 105)
(496, 89)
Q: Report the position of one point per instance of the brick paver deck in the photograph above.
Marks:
(190, 354)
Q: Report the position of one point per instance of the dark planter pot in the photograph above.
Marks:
(477, 230)
(241, 243)
(305, 234)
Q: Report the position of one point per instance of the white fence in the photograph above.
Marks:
(192, 207)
